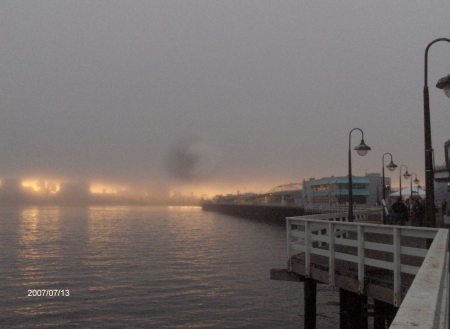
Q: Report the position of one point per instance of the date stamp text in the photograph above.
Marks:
(48, 292)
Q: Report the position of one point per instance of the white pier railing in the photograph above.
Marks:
(426, 303)
(333, 237)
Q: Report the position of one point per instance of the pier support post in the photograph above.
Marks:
(379, 314)
(391, 312)
(310, 303)
(353, 310)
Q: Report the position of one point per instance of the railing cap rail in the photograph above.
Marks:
(317, 220)
(421, 307)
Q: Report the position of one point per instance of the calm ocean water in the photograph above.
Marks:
(146, 267)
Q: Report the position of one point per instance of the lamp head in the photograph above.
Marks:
(406, 175)
(444, 84)
(391, 166)
(416, 181)
(362, 148)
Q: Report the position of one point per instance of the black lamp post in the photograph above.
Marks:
(391, 166)
(443, 83)
(362, 150)
(406, 175)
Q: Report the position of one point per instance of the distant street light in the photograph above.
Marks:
(391, 166)
(406, 175)
(429, 171)
(362, 150)
(416, 181)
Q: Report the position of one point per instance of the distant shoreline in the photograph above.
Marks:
(95, 204)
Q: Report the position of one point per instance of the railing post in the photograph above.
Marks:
(446, 297)
(288, 232)
(360, 233)
(331, 259)
(443, 321)
(307, 248)
(397, 267)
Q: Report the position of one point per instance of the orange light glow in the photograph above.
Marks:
(41, 185)
(31, 184)
(209, 191)
(100, 188)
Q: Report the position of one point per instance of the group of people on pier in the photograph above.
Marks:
(411, 212)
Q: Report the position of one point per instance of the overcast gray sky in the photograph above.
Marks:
(256, 93)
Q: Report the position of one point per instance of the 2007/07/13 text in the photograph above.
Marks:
(48, 292)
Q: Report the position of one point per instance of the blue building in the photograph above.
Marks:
(367, 190)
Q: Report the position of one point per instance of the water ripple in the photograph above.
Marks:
(138, 267)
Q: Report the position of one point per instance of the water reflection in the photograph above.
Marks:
(38, 236)
(142, 267)
(185, 208)
(9, 233)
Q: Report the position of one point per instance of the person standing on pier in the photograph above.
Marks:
(399, 212)
(419, 213)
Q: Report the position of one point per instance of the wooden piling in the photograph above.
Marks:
(310, 303)
(391, 312)
(353, 310)
(379, 314)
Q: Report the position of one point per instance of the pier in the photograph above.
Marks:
(402, 271)
(277, 213)
(274, 213)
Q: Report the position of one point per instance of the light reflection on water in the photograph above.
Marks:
(149, 267)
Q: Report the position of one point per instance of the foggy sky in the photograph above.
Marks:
(249, 94)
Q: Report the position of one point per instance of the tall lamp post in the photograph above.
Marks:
(406, 175)
(443, 83)
(391, 166)
(362, 150)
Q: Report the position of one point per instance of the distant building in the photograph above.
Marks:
(287, 194)
(367, 190)
(228, 198)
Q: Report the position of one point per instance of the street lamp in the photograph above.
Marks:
(429, 172)
(391, 166)
(416, 181)
(406, 175)
(362, 150)
(444, 84)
